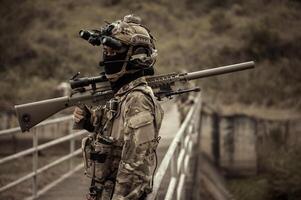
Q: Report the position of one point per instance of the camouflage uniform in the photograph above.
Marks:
(123, 150)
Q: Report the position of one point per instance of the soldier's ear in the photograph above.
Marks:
(141, 50)
(141, 57)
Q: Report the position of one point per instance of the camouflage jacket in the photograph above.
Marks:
(131, 120)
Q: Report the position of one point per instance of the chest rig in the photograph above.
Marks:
(102, 152)
(103, 124)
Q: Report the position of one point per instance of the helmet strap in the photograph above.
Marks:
(116, 76)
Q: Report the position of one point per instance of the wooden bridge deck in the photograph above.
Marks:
(76, 186)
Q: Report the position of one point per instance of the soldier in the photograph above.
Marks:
(120, 155)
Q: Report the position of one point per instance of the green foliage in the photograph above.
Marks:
(191, 35)
(220, 22)
(285, 175)
(13, 45)
(249, 188)
(281, 178)
(262, 42)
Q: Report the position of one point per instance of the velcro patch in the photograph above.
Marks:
(140, 119)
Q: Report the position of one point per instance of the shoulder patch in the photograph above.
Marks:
(140, 119)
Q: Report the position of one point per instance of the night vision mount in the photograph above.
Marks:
(96, 38)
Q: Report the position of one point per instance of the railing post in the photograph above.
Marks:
(57, 130)
(72, 143)
(35, 164)
(174, 172)
(196, 171)
(216, 139)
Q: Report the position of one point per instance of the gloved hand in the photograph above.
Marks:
(78, 114)
(81, 116)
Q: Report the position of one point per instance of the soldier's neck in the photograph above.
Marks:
(126, 79)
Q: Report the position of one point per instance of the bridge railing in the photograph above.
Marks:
(176, 160)
(71, 136)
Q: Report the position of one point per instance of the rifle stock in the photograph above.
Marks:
(31, 114)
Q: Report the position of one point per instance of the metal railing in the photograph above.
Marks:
(176, 160)
(178, 155)
(36, 148)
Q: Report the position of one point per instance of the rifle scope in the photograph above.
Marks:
(82, 82)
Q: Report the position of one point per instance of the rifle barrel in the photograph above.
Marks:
(31, 114)
(219, 70)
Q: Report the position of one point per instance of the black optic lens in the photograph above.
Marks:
(111, 42)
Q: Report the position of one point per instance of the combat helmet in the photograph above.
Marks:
(128, 34)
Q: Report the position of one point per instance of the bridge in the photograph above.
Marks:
(183, 172)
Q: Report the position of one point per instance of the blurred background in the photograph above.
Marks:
(40, 48)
